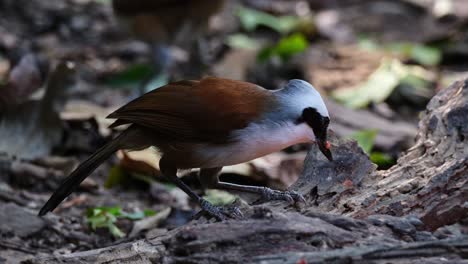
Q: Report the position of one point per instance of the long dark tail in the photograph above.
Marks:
(80, 173)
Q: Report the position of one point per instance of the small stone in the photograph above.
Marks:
(19, 221)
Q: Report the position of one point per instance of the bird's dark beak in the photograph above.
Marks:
(324, 147)
(322, 142)
(319, 125)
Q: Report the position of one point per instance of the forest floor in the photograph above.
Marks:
(402, 190)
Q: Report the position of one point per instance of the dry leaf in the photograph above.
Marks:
(144, 162)
(278, 169)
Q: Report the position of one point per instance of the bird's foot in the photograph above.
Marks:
(218, 212)
(290, 196)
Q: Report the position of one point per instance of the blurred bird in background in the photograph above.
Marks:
(163, 23)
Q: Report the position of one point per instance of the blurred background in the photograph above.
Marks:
(65, 65)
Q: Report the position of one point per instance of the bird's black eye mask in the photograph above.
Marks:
(319, 125)
(316, 121)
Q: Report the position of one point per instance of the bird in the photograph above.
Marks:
(163, 23)
(208, 124)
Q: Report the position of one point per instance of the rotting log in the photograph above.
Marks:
(355, 214)
(430, 180)
(283, 237)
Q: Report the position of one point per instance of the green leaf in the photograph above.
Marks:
(106, 217)
(97, 221)
(250, 19)
(368, 44)
(134, 216)
(117, 176)
(422, 54)
(291, 45)
(285, 48)
(218, 198)
(426, 55)
(114, 211)
(115, 231)
(242, 41)
(138, 215)
(93, 211)
(382, 159)
(265, 54)
(365, 139)
(149, 212)
(131, 76)
(376, 88)
(382, 82)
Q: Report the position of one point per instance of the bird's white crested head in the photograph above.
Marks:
(303, 95)
(302, 103)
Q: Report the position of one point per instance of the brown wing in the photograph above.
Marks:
(197, 111)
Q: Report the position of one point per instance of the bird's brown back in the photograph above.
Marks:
(208, 110)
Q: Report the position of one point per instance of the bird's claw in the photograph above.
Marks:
(291, 197)
(218, 212)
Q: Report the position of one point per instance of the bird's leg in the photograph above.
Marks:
(170, 171)
(209, 178)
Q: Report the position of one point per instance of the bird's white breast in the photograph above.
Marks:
(252, 142)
